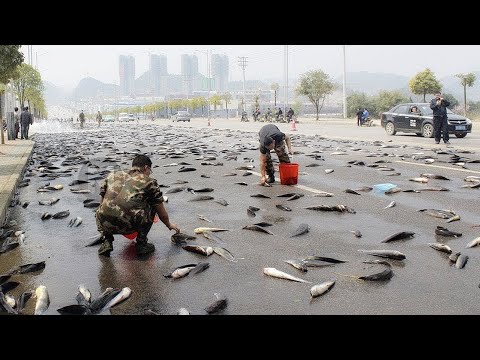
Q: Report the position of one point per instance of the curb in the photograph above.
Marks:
(17, 162)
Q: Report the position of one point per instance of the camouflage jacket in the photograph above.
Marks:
(129, 198)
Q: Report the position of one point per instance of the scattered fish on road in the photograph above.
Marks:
(43, 301)
(322, 288)
(282, 275)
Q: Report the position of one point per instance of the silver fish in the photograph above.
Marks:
(434, 176)
(302, 229)
(297, 264)
(461, 261)
(180, 271)
(75, 222)
(419, 179)
(453, 218)
(399, 236)
(282, 275)
(329, 171)
(43, 301)
(202, 250)
(257, 228)
(224, 253)
(440, 247)
(322, 288)
(203, 229)
(392, 204)
(474, 242)
(217, 306)
(390, 254)
(357, 233)
(121, 296)
(181, 311)
(440, 230)
(48, 202)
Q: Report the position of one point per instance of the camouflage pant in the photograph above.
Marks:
(281, 151)
(109, 224)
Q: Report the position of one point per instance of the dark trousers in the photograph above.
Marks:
(25, 131)
(17, 129)
(440, 126)
(282, 154)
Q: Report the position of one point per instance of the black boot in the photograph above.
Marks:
(107, 246)
(143, 247)
(271, 178)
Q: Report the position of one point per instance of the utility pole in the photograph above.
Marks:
(344, 85)
(285, 60)
(242, 62)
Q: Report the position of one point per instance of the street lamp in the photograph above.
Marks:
(207, 52)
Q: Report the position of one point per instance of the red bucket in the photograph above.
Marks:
(288, 173)
(133, 235)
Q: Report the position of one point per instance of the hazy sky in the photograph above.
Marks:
(66, 65)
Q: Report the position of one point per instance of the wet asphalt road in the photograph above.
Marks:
(423, 283)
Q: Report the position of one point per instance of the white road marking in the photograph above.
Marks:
(438, 166)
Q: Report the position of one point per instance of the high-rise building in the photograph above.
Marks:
(219, 71)
(127, 75)
(189, 72)
(158, 69)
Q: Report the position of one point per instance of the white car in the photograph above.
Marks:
(181, 116)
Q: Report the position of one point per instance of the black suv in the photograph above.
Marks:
(400, 118)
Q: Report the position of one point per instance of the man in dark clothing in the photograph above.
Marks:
(271, 138)
(440, 124)
(16, 116)
(25, 120)
(290, 113)
(130, 200)
(359, 116)
(82, 119)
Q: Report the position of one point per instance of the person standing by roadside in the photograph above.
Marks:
(271, 138)
(440, 124)
(81, 117)
(99, 118)
(25, 120)
(16, 116)
(359, 116)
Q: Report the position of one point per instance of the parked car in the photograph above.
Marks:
(108, 118)
(181, 116)
(124, 117)
(401, 119)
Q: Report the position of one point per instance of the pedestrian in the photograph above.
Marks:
(359, 116)
(440, 124)
(365, 116)
(99, 118)
(25, 120)
(16, 116)
(130, 200)
(290, 113)
(271, 138)
(82, 119)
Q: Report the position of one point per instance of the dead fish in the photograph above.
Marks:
(219, 305)
(472, 178)
(302, 229)
(453, 218)
(350, 191)
(98, 239)
(25, 204)
(4, 278)
(357, 233)
(48, 202)
(80, 191)
(263, 224)
(339, 208)
(181, 239)
(325, 259)
(442, 214)
(245, 167)
(394, 174)
(75, 222)
(393, 191)
(230, 174)
(198, 249)
(384, 275)
(282, 275)
(181, 311)
(364, 188)
(75, 310)
(222, 202)
(321, 288)
(474, 242)
(392, 204)
(84, 297)
(203, 229)
(440, 247)
(440, 230)
(390, 254)
(168, 165)
(399, 236)
(260, 196)
(313, 165)
(419, 179)
(297, 264)
(185, 169)
(43, 301)
(434, 176)
(200, 267)
(8, 286)
(250, 212)
(61, 214)
(180, 271)
(202, 198)
(28, 268)
(241, 183)
(323, 194)
(288, 195)
(151, 312)
(212, 237)
(175, 190)
(247, 173)
(22, 300)
(329, 171)
(224, 253)
(92, 205)
(257, 228)
(202, 190)
(461, 261)
(78, 182)
(282, 207)
(201, 217)
(454, 256)
(295, 197)
(472, 186)
(434, 188)
(6, 305)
